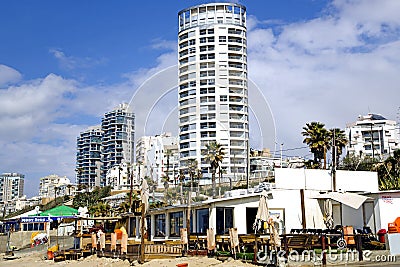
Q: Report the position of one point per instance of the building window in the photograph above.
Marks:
(160, 225)
(202, 220)
(175, 223)
(224, 220)
(223, 98)
(132, 228)
(222, 39)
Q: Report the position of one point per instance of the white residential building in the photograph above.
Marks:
(213, 95)
(372, 135)
(11, 189)
(119, 177)
(11, 186)
(53, 186)
(155, 155)
(23, 202)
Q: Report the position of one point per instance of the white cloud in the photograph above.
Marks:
(164, 44)
(8, 75)
(326, 69)
(33, 104)
(72, 62)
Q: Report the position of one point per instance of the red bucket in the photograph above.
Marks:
(50, 255)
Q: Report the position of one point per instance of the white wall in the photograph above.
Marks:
(287, 200)
(389, 208)
(312, 179)
(357, 181)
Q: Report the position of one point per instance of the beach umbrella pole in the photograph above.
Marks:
(141, 256)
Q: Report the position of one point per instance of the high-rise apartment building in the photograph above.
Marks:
(88, 157)
(11, 186)
(372, 135)
(118, 138)
(213, 95)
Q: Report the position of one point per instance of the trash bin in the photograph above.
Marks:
(381, 235)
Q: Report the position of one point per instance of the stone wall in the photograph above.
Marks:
(21, 239)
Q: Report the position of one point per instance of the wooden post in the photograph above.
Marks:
(303, 210)
(359, 247)
(255, 248)
(286, 247)
(323, 238)
(141, 256)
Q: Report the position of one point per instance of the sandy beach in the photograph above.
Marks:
(37, 259)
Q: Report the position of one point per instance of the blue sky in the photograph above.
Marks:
(64, 63)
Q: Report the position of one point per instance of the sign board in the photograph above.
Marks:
(34, 219)
(184, 236)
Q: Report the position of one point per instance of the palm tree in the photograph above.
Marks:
(215, 155)
(192, 167)
(168, 154)
(124, 207)
(181, 179)
(318, 139)
(199, 175)
(339, 142)
(167, 195)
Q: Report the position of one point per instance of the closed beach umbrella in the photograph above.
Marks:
(144, 195)
(262, 212)
(328, 216)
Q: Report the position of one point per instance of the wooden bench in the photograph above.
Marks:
(162, 251)
(298, 241)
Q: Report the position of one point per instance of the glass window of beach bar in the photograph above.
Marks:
(224, 220)
(175, 223)
(132, 227)
(203, 216)
(160, 225)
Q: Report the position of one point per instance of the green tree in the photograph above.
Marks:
(318, 139)
(100, 209)
(215, 155)
(356, 163)
(389, 172)
(90, 199)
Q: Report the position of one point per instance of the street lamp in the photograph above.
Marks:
(280, 149)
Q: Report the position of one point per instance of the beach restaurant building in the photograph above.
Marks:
(296, 201)
(39, 221)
